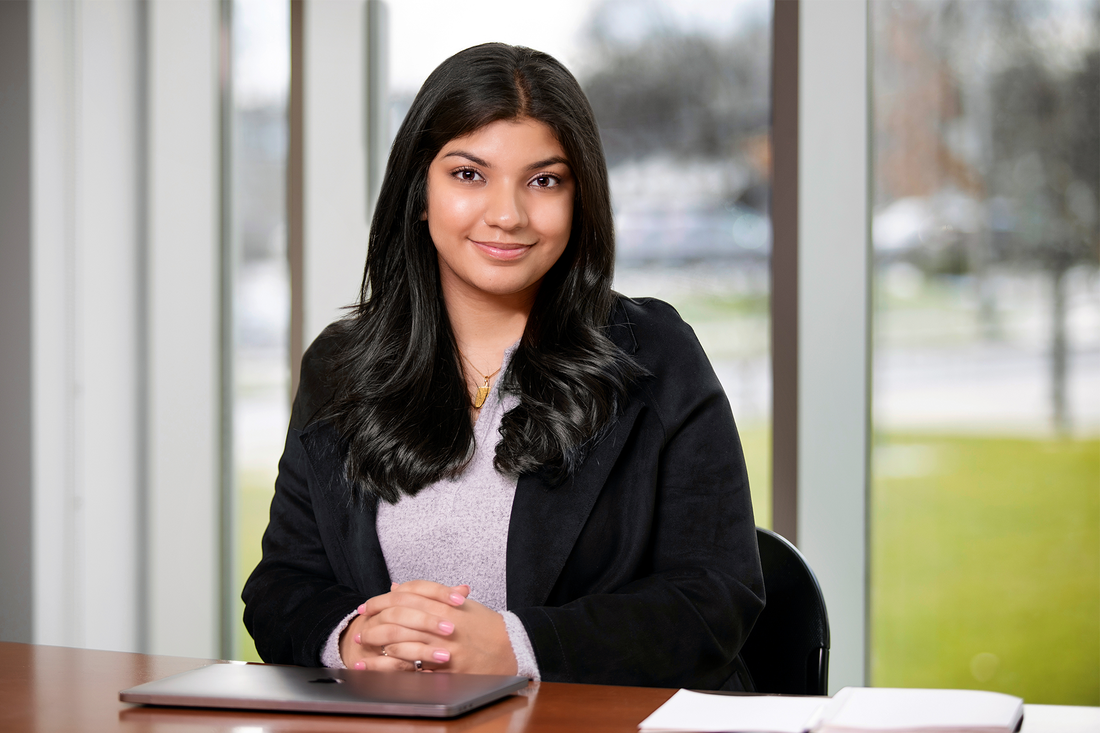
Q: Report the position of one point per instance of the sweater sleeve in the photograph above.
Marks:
(526, 664)
(295, 597)
(330, 655)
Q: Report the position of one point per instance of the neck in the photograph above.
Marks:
(485, 326)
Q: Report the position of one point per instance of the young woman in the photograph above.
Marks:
(495, 464)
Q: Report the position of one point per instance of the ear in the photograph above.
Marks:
(424, 215)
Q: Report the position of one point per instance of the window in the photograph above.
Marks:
(260, 309)
(985, 510)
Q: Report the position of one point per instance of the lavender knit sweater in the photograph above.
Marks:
(455, 531)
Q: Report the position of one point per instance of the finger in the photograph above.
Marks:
(430, 656)
(378, 633)
(413, 585)
(411, 600)
(450, 595)
(387, 635)
(453, 595)
(379, 663)
(386, 662)
(389, 600)
(413, 619)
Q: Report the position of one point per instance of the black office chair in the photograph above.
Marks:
(788, 649)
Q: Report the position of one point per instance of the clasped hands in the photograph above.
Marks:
(434, 624)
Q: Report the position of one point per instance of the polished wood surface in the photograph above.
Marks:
(57, 689)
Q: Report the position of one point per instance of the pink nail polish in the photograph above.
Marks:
(457, 599)
(446, 627)
(360, 665)
(358, 638)
(441, 655)
(362, 608)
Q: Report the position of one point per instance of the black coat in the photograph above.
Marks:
(642, 569)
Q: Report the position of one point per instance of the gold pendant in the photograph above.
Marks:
(482, 393)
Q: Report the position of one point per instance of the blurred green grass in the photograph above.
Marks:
(986, 565)
(756, 442)
(254, 501)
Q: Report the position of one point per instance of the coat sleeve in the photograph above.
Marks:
(677, 617)
(295, 598)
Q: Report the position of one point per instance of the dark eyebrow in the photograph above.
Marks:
(468, 156)
(548, 162)
(484, 164)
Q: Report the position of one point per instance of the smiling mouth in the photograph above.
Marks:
(502, 250)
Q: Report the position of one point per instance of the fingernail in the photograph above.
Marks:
(362, 608)
(446, 627)
(358, 638)
(441, 655)
(457, 599)
(359, 665)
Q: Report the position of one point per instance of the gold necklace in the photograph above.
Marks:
(483, 390)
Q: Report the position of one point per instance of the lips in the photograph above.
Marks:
(502, 250)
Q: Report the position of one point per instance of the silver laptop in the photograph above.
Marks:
(304, 689)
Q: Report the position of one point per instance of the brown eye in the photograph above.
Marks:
(468, 175)
(545, 181)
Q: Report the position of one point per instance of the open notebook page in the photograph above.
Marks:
(698, 711)
(893, 709)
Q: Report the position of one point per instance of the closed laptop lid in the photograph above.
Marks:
(273, 687)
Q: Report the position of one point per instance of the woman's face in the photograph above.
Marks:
(500, 209)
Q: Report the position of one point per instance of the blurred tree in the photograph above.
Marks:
(658, 89)
(985, 102)
(1045, 143)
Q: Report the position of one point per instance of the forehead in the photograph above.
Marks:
(514, 139)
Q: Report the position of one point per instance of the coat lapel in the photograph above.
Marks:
(547, 520)
(350, 526)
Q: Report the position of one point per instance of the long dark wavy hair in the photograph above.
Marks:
(400, 401)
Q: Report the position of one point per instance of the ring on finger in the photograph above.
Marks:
(384, 654)
(419, 665)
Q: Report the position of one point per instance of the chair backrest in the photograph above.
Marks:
(788, 649)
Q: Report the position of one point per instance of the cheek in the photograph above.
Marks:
(557, 221)
(460, 208)
(448, 216)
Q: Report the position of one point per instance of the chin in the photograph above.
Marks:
(491, 283)
(504, 291)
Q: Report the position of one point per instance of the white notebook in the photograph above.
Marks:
(852, 710)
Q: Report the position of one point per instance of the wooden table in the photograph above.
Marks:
(57, 689)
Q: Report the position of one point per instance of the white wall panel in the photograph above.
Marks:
(182, 327)
(108, 326)
(833, 319)
(52, 305)
(335, 208)
(87, 338)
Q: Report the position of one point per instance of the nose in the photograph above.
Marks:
(505, 208)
